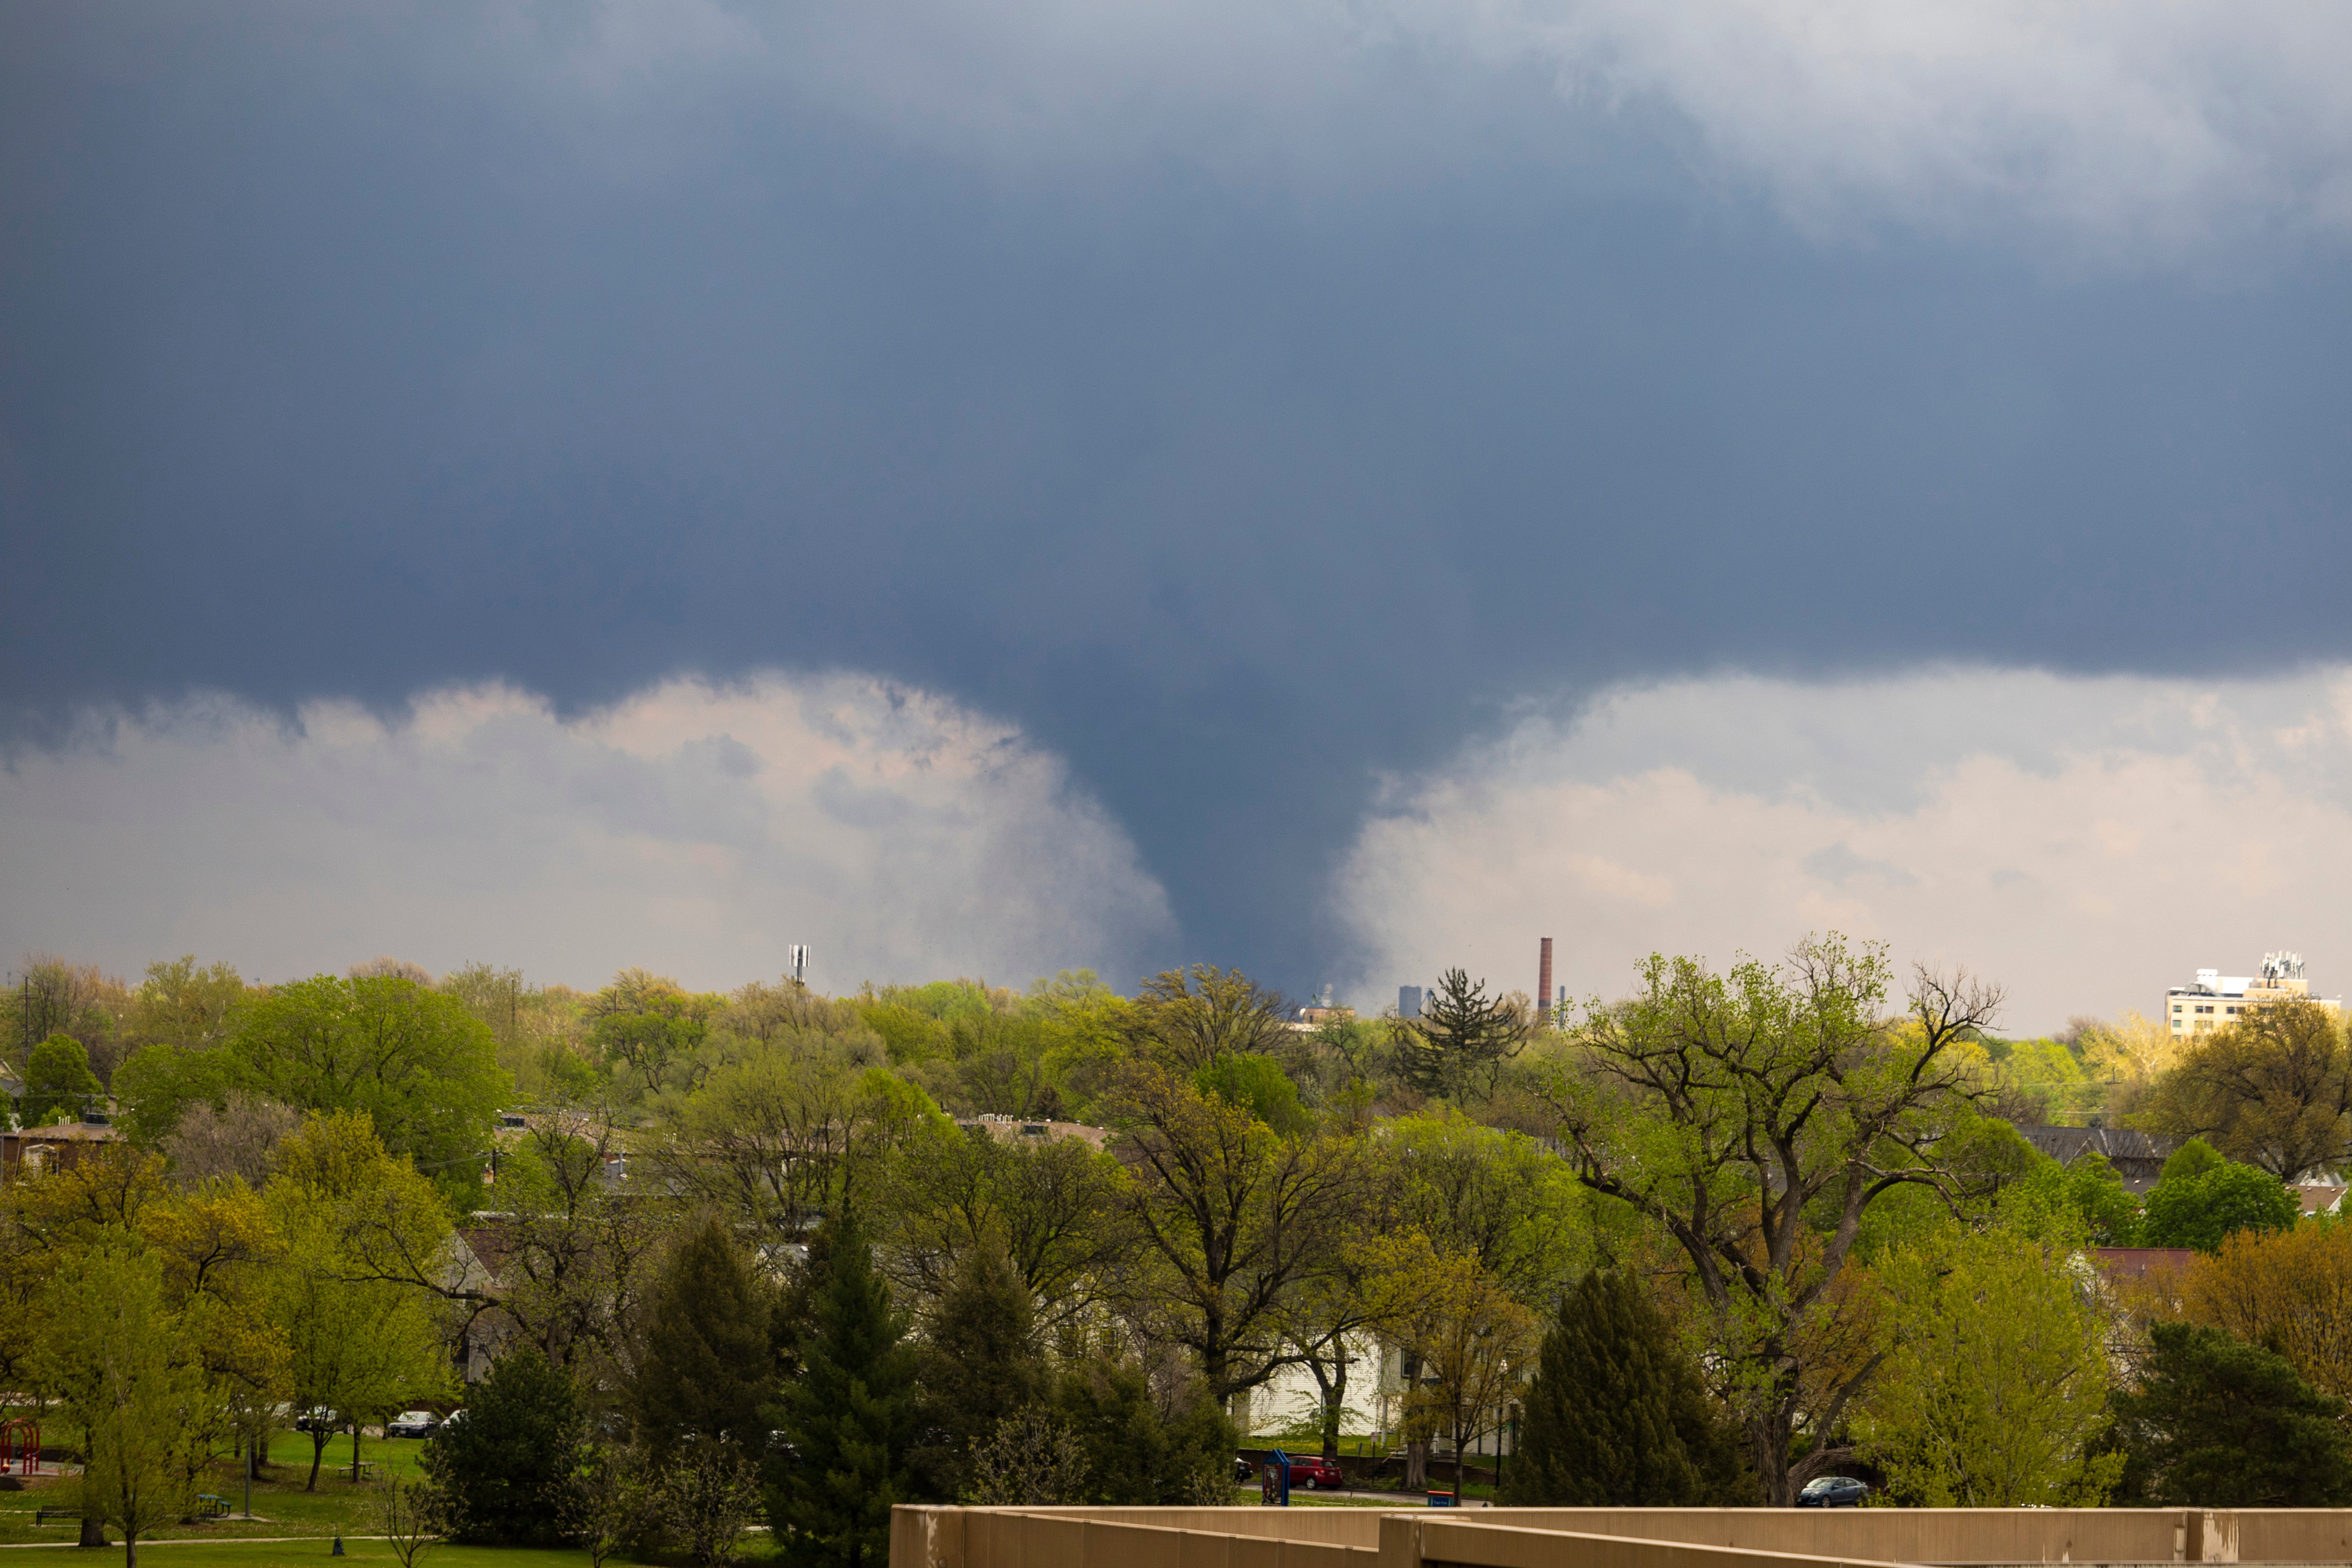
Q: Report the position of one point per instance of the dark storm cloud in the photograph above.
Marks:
(348, 357)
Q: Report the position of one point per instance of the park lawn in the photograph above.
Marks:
(280, 1504)
(757, 1552)
(374, 1554)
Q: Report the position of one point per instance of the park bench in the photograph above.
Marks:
(43, 1515)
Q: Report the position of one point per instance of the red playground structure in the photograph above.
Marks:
(20, 1447)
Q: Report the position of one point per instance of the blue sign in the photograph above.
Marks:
(1274, 1480)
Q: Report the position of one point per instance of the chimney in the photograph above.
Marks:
(1543, 981)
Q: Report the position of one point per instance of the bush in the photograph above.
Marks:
(506, 1469)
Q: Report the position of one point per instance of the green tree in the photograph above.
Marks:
(123, 1365)
(508, 1468)
(1993, 1393)
(1497, 1195)
(779, 1137)
(362, 1333)
(156, 1086)
(1048, 1205)
(2218, 1422)
(706, 1365)
(185, 1006)
(2202, 1198)
(58, 1084)
(422, 1068)
(2272, 1089)
(2109, 1214)
(847, 1417)
(1461, 1039)
(52, 996)
(1755, 1117)
(1616, 1416)
(979, 1365)
(1139, 1455)
(1192, 1017)
(1470, 1344)
(1232, 1218)
(646, 1026)
(1258, 1085)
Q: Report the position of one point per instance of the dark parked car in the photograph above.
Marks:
(1243, 1470)
(1316, 1473)
(1833, 1491)
(319, 1418)
(412, 1423)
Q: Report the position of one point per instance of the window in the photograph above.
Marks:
(2175, 1006)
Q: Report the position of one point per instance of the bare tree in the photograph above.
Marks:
(396, 968)
(1755, 1116)
(409, 1513)
(612, 1502)
(563, 1267)
(709, 1494)
(237, 1140)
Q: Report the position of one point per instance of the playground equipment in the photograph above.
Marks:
(20, 1446)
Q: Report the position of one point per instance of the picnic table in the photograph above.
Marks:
(211, 1506)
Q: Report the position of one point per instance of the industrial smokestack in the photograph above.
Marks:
(1543, 981)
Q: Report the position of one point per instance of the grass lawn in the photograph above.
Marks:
(757, 1553)
(281, 1505)
(374, 1554)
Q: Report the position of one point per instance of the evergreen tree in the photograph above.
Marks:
(1136, 1456)
(708, 1362)
(980, 1365)
(2218, 1422)
(1461, 1040)
(846, 1419)
(1616, 1416)
(506, 1466)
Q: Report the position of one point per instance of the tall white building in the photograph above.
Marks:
(2214, 998)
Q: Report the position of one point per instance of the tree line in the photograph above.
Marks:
(773, 1254)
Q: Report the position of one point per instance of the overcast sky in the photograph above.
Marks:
(1332, 489)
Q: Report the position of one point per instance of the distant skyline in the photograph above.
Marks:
(1000, 486)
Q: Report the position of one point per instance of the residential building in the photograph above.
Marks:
(2214, 999)
(2137, 1157)
(37, 1149)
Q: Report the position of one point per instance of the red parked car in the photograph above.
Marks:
(1315, 1472)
